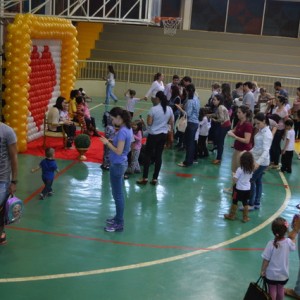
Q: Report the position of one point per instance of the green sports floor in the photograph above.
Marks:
(176, 244)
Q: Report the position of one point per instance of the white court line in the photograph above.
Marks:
(164, 260)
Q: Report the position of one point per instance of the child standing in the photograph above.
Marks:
(242, 187)
(109, 134)
(131, 101)
(204, 126)
(136, 147)
(49, 167)
(289, 147)
(275, 265)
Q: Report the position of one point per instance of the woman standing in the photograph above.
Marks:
(58, 117)
(261, 153)
(275, 150)
(110, 84)
(222, 123)
(242, 134)
(157, 85)
(191, 109)
(159, 118)
(119, 149)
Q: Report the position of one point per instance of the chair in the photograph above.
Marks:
(49, 133)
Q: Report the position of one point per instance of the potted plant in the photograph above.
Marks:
(82, 143)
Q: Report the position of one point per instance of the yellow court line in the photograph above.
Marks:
(164, 260)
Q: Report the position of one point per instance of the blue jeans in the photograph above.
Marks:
(48, 186)
(117, 172)
(189, 136)
(256, 186)
(110, 94)
(4, 193)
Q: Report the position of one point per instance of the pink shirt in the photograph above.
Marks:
(137, 144)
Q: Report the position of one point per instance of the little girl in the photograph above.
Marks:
(131, 101)
(136, 146)
(275, 265)
(242, 187)
(204, 126)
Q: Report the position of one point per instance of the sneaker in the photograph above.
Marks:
(291, 293)
(256, 206)
(110, 221)
(3, 240)
(42, 197)
(50, 193)
(114, 228)
(103, 167)
(251, 208)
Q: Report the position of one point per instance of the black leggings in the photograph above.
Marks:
(275, 150)
(154, 149)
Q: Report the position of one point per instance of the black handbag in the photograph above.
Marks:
(258, 290)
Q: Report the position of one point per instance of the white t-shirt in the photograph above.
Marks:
(243, 179)
(168, 90)
(160, 119)
(131, 103)
(290, 135)
(278, 268)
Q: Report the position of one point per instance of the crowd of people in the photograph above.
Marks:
(264, 128)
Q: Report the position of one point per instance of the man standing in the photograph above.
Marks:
(248, 98)
(279, 90)
(8, 171)
(168, 87)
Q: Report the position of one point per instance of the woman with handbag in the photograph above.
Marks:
(159, 118)
(222, 123)
(191, 110)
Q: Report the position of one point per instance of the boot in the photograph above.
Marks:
(245, 214)
(232, 212)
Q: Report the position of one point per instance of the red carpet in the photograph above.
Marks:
(94, 154)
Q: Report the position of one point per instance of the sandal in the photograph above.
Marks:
(142, 181)
(153, 181)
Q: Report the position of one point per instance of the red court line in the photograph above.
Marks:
(31, 196)
(126, 243)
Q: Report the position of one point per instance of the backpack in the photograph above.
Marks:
(14, 209)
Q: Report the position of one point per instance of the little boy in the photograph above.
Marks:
(48, 166)
(289, 147)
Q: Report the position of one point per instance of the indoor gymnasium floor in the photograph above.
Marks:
(176, 244)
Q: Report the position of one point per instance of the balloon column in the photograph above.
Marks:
(33, 76)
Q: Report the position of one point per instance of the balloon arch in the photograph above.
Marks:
(41, 63)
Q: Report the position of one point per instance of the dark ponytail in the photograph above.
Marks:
(247, 111)
(262, 117)
(163, 100)
(190, 89)
(124, 114)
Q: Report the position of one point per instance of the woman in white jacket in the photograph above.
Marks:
(157, 85)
